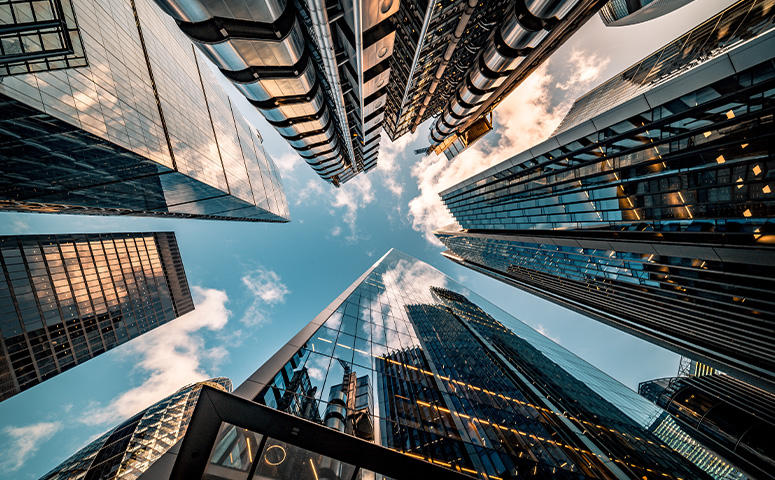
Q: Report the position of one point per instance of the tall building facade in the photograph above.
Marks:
(65, 299)
(734, 418)
(317, 71)
(617, 13)
(415, 363)
(126, 451)
(127, 120)
(650, 208)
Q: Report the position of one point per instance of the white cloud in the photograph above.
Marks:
(172, 355)
(20, 226)
(351, 197)
(311, 192)
(584, 69)
(336, 231)
(388, 166)
(540, 329)
(23, 442)
(267, 289)
(525, 118)
(287, 162)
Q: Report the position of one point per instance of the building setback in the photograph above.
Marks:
(126, 451)
(415, 363)
(65, 299)
(650, 208)
(734, 418)
(131, 122)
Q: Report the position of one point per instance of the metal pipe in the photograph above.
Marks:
(322, 27)
(525, 28)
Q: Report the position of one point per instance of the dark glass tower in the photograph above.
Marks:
(425, 367)
(734, 418)
(650, 208)
(67, 298)
(140, 127)
(126, 451)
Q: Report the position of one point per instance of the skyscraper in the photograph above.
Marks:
(316, 70)
(734, 418)
(126, 451)
(617, 13)
(650, 208)
(67, 298)
(438, 374)
(131, 122)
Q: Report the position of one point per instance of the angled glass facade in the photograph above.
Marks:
(412, 361)
(38, 35)
(618, 13)
(143, 129)
(126, 451)
(653, 216)
(731, 416)
(65, 299)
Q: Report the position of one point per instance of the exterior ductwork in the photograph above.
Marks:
(527, 25)
(457, 35)
(287, 59)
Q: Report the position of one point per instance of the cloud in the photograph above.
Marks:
(540, 329)
(268, 290)
(172, 356)
(20, 226)
(351, 197)
(388, 166)
(584, 69)
(525, 118)
(336, 231)
(287, 163)
(23, 442)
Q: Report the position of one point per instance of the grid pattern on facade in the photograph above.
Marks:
(126, 451)
(714, 37)
(728, 414)
(701, 157)
(724, 305)
(146, 132)
(38, 35)
(65, 299)
(455, 386)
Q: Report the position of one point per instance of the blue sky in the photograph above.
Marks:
(256, 285)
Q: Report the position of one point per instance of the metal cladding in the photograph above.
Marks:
(315, 72)
(617, 13)
(525, 27)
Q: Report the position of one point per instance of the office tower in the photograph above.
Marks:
(126, 451)
(650, 208)
(38, 35)
(439, 374)
(734, 418)
(133, 122)
(617, 13)
(67, 298)
(316, 70)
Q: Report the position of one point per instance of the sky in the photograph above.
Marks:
(255, 285)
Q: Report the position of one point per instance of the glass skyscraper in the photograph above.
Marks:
(126, 451)
(133, 122)
(415, 363)
(650, 208)
(734, 418)
(67, 298)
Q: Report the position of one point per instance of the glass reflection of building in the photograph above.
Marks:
(133, 122)
(67, 298)
(126, 451)
(616, 13)
(737, 420)
(650, 208)
(456, 382)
